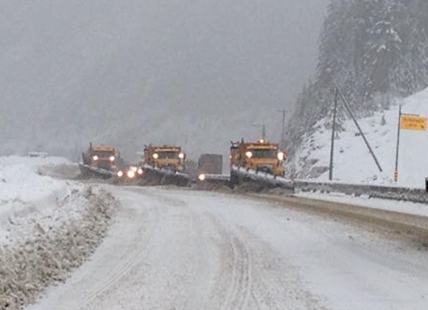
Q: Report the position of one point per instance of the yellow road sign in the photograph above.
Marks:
(413, 122)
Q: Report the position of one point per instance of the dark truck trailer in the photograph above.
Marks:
(210, 164)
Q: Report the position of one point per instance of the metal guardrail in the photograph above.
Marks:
(263, 180)
(374, 191)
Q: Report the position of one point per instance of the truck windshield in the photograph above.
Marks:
(103, 154)
(168, 155)
(264, 153)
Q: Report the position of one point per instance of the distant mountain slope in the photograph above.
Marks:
(196, 73)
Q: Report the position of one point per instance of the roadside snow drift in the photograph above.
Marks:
(23, 191)
(47, 227)
(20, 181)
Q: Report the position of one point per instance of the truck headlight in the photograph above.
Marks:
(155, 155)
(201, 177)
(181, 155)
(140, 171)
(95, 157)
(249, 154)
(130, 174)
(112, 158)
(281, 156)
(120, 174)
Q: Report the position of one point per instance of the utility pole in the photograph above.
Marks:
(333, 131)
(263, 126)
(359, 128)
(264, 133)
(282, 143)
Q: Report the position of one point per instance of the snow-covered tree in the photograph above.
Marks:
(373, 50)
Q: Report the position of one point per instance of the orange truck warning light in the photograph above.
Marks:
(411, 122)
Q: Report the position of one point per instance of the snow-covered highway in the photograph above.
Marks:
(181, 249)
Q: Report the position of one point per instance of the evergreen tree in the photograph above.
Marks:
(372, 50)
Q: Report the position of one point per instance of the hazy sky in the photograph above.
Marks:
(189, 72)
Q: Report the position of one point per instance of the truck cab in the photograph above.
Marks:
(260, 156)
(164, 157)
(101, 156)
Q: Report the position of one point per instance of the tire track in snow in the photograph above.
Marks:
(123, 268)
(240, 288)
(116, 274)
(179, 253)
(275, 282)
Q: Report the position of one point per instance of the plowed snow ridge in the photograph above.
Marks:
(31, 264)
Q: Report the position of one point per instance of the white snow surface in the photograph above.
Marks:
(27, 197)
(352, 161)
(173, 249)
(405, 207)
(20, 180)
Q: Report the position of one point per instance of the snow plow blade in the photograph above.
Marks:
(258, 181)
(153, 176)
(212, 181)
(88, 171)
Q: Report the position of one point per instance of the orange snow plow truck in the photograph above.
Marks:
(164, 157)
(260, 156)
(100, 160)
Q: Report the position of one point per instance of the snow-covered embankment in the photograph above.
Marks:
(352, 160)
(47, 228)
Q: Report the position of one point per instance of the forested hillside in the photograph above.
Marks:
(373, 50)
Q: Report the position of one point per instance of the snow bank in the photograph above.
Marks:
(31, 264)
(354, 164)
(19, 178)
(47, 227)
(24, 191)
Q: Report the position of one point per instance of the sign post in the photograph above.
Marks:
(407, 122)
(398, 144)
